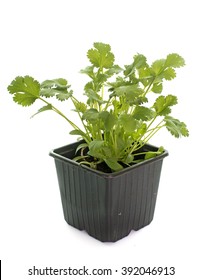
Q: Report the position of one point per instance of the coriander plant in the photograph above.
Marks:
(119, 117)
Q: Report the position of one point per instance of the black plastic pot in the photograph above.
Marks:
(107, 205)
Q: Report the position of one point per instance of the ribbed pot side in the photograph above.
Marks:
(107, 206)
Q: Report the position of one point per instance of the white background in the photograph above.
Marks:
(49, 39)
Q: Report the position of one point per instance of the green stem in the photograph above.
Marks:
(102, 90)
(62, 115)
(151, 152)
(107, 104)
(149, 86)
(152, 133)
(86, 129)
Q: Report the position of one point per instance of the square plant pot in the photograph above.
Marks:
(107, 205)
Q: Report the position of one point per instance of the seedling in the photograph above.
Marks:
(119, 117)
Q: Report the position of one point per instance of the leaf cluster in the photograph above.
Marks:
(118, 118)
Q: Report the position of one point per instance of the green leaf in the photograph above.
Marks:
(92, 95)
(80, 107)
(152, 154)
(145, 73)
(128, 122)
(88, 71)
(101, 56)
(24, 99)
(24, 84)
(128, 89)
(25, 90)
(116, 69)
(94, 57)
(158, 66)
(48, 92)
(120, 81)
(138, 100)
(162, 104)
(81, 146)
(95, 149)
(108, 119)
(89, 87)
(157, 88)
(174, 60)
(113, 164)
(176, 127)
(169, 74)
(139, 62)
(64, 95)
(135, 97)
(56, 87)
(78, 132)
(142, 129)
(100, 79)
(122, 143)
(128, 159)
(143, 113)
(55, 83)
(109, 122)
(91, 115)
(43, 109)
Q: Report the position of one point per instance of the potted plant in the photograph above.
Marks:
(109, 179)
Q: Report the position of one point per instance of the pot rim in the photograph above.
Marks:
(58, 154)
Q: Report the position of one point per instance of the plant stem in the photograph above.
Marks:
(152, 133)
(149, 86)
(62, 115)
(86, 129)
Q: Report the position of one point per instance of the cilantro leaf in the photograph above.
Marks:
(157, 88)
(115, 122)
(169, 74)
(145, 73)
(24, 99)
(152, 154)
(143, 113)
(96, 148)
(139, 62)
(88, 71)
(176, 127)
(174, 60)
(64, 95)
(80, 106)
(128, 89)
(91, 115)
(108, 119)
(44, 108)
(116, 69)
(113, 164)
(128, 122)
(78, 132)
(94, 57)
(56, 83)
(158, 66)
(162, 104)
(92, 95)
(25, 90)
(56, 87)
(101, 56)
